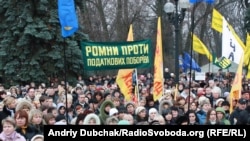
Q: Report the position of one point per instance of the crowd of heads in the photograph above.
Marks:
(98, 100)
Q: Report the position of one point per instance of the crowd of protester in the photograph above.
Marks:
(98, 100)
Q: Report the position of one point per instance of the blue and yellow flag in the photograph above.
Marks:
(67, 16)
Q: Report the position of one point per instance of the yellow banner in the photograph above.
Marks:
(199, 47)
(217, 21)
(235, 92)
(124, 77)
(247, 51)
(125, 82)
(158, 64)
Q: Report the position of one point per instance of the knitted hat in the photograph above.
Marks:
(139, 109)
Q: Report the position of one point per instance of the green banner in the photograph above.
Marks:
(223, 63)
(117, 55)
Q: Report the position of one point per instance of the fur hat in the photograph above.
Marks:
(219, 100)
(38, 136)
(90, 116)
(23, 103)
(139, 109)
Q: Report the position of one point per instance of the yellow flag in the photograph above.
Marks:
(247, 56)
(247, 51)
(248, 71)
(124, 77)
(158, 64)
(199, 47)
(235, 92)
(217, 21)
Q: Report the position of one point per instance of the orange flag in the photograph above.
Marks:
(235, 92)
(124, 76)
(158, 65)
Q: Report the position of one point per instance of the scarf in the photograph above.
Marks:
(23, 129)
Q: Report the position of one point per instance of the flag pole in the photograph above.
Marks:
(65, 79)
(69, 25)
(192, 38)
(137, 87)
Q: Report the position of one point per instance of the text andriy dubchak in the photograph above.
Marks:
(122, 132)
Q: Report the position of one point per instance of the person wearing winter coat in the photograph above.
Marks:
(8, 109)
(9, 133)
(23, 126)
(104, 110)
(92, 119)
(221, 115)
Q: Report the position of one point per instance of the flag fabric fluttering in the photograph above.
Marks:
(231, 47)
(247, 55)
(197, 1)
(247, 51)
(199, 47)
(67, 17)
(158, 65)
(124, 77)
(217, 21)
(235, 93)
(186, 63)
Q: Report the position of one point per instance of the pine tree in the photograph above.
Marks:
(31, 45)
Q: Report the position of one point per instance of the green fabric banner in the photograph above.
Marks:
(117, 55)
(223, 63)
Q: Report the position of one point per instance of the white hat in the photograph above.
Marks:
(218, 100)
(113, 111)
(139, 109)
(152, 110)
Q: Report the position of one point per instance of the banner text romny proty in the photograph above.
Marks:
(116, 55)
